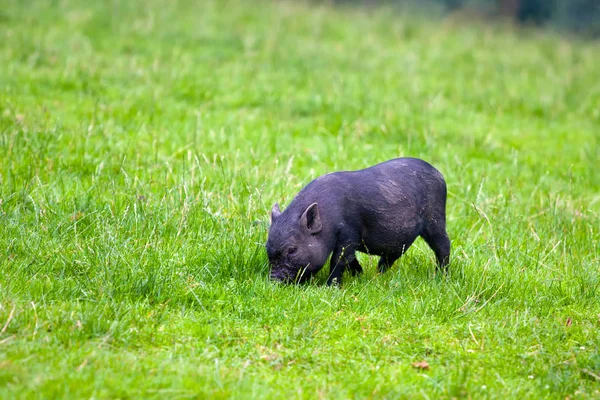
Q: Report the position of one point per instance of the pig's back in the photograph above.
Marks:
(408, 182)
(395, 201)
(407, 185)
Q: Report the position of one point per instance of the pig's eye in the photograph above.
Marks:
(292, 250)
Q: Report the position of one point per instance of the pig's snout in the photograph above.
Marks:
(281, 273)
(277, 275)
(287, 274)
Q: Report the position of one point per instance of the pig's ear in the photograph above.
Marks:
(275, 212)
(311, 219)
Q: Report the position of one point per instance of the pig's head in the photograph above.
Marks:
(296, 247)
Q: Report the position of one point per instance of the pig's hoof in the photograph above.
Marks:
(334, 281)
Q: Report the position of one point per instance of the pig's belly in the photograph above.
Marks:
(382, 241)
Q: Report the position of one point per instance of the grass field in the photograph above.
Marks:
(143, 143)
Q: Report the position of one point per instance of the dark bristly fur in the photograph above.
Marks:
(379, 210)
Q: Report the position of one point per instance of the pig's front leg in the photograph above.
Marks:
(342, 257)
(355, 268)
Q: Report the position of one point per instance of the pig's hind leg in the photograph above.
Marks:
(436, 237)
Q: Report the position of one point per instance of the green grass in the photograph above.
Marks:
(140, 143)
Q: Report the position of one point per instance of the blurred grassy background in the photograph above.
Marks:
(578, 16)
(141, 141)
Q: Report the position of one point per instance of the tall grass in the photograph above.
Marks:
(143, 143)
